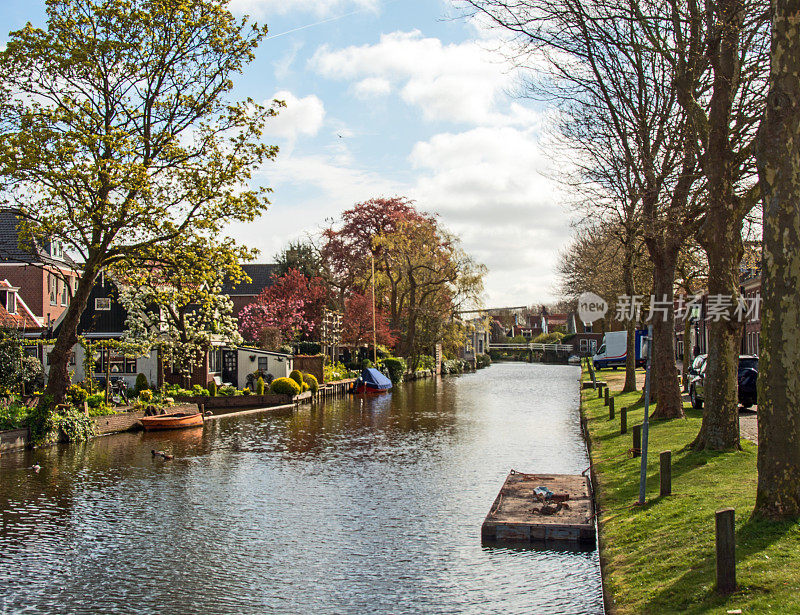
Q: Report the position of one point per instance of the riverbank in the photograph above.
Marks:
(659, 558)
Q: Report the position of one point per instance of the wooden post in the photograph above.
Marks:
(665, 466)
(108, 374)
(726, 551)
(611, 409)
(623, 421)
(600, 391)
(605, 393)
(637, 440)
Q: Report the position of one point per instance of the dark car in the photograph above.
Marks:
(747, 376)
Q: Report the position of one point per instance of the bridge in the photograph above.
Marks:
(531, 347)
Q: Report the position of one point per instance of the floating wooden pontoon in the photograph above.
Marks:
(519, 516)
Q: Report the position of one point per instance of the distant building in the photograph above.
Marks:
(244, 293)
(478, 332)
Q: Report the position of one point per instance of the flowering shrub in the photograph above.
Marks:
(76, 395)
(335, 371)
(297, 376)
(146, 395)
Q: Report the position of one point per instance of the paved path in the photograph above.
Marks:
(748, 421)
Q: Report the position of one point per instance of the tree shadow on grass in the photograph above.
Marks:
(681, 595)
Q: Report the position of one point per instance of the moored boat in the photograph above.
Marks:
(175, 420)
(371, 381)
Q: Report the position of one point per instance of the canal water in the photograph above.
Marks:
(341, 508)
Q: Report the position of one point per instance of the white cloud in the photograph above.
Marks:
(283, 65)
(464, 82)
(320, 8)
(372, 86)
(492, 187)
(301, 116)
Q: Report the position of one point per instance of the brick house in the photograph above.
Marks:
(44, 274)
(14, 313)
(700, 330)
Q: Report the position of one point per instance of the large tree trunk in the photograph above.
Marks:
(58, 376)
(664, 372)
(720, 426)
(778, 155)
(721, 236)
(630, 324)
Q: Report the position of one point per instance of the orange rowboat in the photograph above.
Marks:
(176, 420)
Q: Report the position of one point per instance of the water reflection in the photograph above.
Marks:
(339, 508)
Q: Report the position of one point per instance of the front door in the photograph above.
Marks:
(230, 367)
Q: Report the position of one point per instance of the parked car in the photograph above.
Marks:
(747, 377)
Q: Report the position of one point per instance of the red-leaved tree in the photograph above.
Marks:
(358, 322)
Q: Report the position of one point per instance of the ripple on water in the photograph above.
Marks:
(336, 509)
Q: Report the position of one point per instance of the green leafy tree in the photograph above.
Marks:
(116, 134)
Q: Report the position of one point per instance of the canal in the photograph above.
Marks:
(350, 507)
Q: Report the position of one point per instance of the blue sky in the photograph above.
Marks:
(398, 97)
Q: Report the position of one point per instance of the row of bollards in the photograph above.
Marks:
(724, 518)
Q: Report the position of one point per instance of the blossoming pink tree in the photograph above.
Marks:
(292, 306)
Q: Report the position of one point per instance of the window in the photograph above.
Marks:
(263, 364)
(52, 288)
(102, 304)
(214, 360)
(11, 302)
(119, 364)
(64, 292)
(56, 248)
(584, 345)
(592, 345)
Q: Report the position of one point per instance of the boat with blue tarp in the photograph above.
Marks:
(371, 381)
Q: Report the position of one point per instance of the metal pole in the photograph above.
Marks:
(646, 423)
(374, 336)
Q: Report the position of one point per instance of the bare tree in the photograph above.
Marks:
(727, 41)
(601, 66)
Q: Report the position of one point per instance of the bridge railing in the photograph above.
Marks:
(533, 347)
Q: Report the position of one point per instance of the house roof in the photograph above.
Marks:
(11, 252)
(261, 276)
(23, 318)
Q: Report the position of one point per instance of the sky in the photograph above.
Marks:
(398, 97)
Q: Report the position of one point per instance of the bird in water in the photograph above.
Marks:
(166, 456)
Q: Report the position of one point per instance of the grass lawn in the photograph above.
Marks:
(659, 558)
